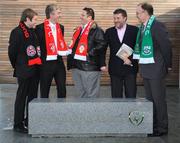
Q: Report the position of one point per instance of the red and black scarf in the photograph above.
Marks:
(32, 47)
(82, 48)
(52, 50)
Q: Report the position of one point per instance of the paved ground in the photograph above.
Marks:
(7, 97)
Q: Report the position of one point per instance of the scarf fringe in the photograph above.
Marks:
(80, 57)
(51, 57)
(136, 56)
(63, 53)
(146, 60)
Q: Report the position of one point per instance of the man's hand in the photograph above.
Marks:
(169, 69)
(104, 69)
(127, 62)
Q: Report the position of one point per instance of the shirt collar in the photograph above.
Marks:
(52, 24)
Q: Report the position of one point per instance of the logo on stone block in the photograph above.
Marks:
(136, 117)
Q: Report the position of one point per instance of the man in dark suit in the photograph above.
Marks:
(122, 72)
(24, 57)
(50, 35)
(153, 49)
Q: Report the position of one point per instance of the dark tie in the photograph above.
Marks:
(142, 29)
(141, 34)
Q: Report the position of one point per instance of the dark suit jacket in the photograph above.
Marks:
(116, 65)
(41, 37)
(18, 56)
(162, 53)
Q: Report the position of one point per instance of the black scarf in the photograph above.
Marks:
(31, 45)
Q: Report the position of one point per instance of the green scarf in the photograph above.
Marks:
(145, 53)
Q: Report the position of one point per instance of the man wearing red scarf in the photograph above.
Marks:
(87, 57)
(51, 36)
(24, 55)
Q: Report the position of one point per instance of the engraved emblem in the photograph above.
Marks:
(136, 117)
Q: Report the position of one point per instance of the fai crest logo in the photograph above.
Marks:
(31, 51)
(147, 50)
(136, 117)
(81, 49)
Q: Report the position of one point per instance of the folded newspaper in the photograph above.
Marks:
(124, 52)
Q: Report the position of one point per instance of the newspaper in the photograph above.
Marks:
(124, 52)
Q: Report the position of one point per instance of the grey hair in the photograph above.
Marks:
(49, 9)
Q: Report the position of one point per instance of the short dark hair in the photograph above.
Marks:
(120, 11)
(147, 7)
(28, 13)
(50, 8)
(90, 12)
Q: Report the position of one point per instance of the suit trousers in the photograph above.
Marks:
(155, 90)
(27, 91)
(127, 82)
(48, 71)
(87, 83)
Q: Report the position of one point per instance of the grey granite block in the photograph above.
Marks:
(90, 117)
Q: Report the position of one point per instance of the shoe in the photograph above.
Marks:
(20, 129)
(157, 134)
(26, 124)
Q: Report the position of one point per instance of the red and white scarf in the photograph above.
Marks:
(31, 45)
(52, 50)
(82, 48)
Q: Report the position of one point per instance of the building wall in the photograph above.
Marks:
(166, 11)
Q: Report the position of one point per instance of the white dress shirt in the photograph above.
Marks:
(54, 33)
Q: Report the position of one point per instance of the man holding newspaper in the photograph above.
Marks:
(121, 39)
